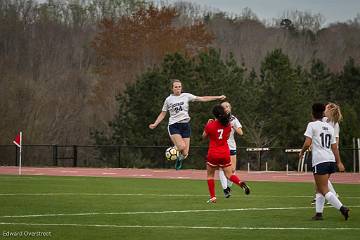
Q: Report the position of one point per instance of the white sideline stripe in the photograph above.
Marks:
(174, 227)
(160, 212)
(157, 195)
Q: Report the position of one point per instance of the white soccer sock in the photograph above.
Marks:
(333, 200)
(223, 179)
(331, 188)
(320, 201)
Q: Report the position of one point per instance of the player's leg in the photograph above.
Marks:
(185, 132)
(235, 179)
(319, 206)
(332, 189)
(185, 152)
(211, 182)
(233, 164)
(224, 183)
(322, 189)
(180, 145)
(321, 181)
(178, 141)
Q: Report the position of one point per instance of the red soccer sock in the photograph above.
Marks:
(235, 179)
(211, 186)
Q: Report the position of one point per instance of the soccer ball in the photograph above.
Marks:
(171, 153)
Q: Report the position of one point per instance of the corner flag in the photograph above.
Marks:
(18, 142)
(18, 139)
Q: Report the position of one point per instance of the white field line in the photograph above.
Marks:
(159, 212)
(160, 195)
(178, 227)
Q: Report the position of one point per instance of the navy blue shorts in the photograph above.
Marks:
(180, 128)
(232, 152)
(324, 168)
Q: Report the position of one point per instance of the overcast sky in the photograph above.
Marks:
(332, 10)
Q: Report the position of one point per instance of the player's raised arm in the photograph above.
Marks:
(209, 98)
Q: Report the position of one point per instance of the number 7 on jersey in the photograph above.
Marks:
(220, 131)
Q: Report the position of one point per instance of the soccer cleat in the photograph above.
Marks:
(178, 163)
(317, 216)
(227, 192)
(313, 202)
(211, 200)
(245, 187)
(345, 212)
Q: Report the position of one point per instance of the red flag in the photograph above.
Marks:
(17, 140)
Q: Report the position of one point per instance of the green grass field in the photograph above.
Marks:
(120, 208)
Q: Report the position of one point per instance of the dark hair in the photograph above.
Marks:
(318, 110)
(221, 115)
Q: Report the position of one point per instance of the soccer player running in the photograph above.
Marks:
(325, 157)
(235, 127)
(179, 121)
(218, 131)
(332, 116)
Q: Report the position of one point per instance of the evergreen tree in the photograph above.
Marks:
(281, 105)
(347, 93)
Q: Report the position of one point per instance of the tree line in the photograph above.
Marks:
(274, 106)
(84, 72)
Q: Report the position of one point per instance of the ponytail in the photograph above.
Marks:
(221, 115)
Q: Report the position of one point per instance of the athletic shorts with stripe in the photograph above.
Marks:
(214, 160)
(324, 168)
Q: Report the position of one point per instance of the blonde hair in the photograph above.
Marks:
(335, 112)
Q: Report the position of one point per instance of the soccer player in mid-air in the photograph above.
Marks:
(218, 131)
(235, 127)
(179, 121)
(325, 156)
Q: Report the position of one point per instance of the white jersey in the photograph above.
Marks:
(178, 107)
(235, 124)
(322, 135)
(334, 125)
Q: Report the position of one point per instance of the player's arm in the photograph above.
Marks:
(204, 134)
(307, 144)
(209, 98)
(239, 131)
(335, 150)
(158, 120)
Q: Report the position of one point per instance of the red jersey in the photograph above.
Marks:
(218, 153)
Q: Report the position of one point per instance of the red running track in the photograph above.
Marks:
(349, 178)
